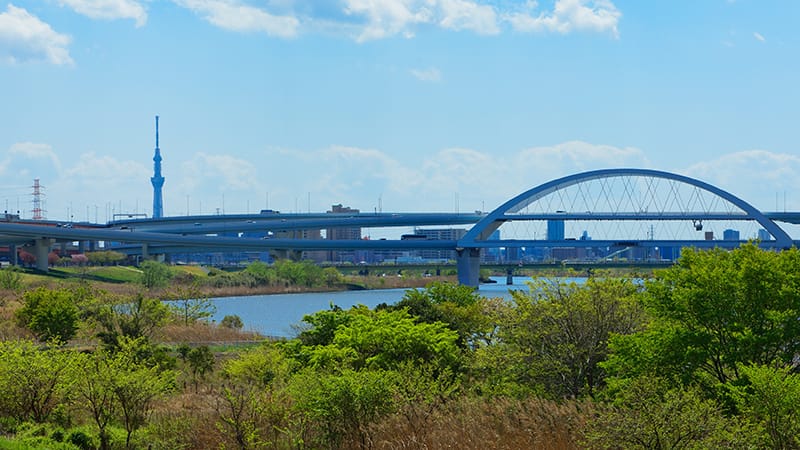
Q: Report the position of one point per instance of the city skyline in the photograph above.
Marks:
(395, 105)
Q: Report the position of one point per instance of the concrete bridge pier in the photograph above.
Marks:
(145, 252)
(468, 263)
(12, 249)
(509, 276)
(41, 249)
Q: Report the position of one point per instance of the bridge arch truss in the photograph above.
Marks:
(618, 208)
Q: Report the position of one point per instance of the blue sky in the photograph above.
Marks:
(407, 105)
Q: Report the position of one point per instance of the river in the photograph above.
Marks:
(276, 314)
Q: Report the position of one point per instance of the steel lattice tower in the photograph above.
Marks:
(157, 180)
(38, 212)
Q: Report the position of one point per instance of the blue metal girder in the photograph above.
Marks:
(494, 219)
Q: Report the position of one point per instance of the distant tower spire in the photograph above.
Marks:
(157, 180)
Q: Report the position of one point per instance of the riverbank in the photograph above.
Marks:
(123, 280)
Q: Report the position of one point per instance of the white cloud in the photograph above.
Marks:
(386, 18)
(479, 179)
(24, 37)
(580, 156)
(432, 74)
(234, 16)
(756, 176)
(109, 9)
(33, 153)
(93, 170)
(759, 37)
(467, 15)
(225, 172)
(599, 16)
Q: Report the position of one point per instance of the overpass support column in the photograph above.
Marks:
(41, 250)
(468, 263)
(13, 255)
(145, 252)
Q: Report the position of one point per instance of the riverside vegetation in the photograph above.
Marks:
(701, 355)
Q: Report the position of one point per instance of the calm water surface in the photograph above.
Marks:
(274, 315)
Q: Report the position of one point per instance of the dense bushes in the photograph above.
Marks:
(702, 355)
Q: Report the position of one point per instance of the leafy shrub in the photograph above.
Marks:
(81, 439)
(155, 274)
(11, 278)
(49, 314)
(233, 322)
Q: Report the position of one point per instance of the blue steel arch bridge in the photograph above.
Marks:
(598, 214)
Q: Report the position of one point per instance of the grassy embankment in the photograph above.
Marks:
(125, 280)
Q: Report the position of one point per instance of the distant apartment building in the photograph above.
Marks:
(343, 233)
(491, 255)
(555, 230)
(439, 234)
(730, 235)
(310, 234)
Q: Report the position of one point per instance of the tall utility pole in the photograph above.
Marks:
(157, 180)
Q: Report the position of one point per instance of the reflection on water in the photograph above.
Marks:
(274, 315)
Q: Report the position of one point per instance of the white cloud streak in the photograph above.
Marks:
(386, 18)
(109, 9)
(757, 176)
(226, 172)
(431, 75)
(234, 16)
(467, 15)
(34, 152)
(364, 20)
(759, 37)
(600, 16)
(357, 176)
(26, 38)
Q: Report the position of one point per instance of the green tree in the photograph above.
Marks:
(261, 273)
(106, 257)
(770, 398)
(265, 365)
(233, 322)
(49, 314)
(649, 414)
(715, 311)
(137, 385)
(10, 278)
(201, 361)
(190, 305)
(344, 404)
(134, 317)
(460, 307)
(33, 381)
(301, 273)
(93, 392)
(554, 337)
(383, 340)
(331, 276)
(319, 328)
(121, 386)
(253, 406)
(154, 274)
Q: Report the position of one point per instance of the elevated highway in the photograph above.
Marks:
(587, 198)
